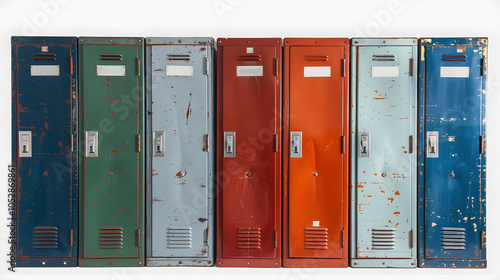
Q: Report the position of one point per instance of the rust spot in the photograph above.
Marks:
(45, 173)
(379, 98)
(127, 120)
(397, 193)
(125, 144)
(110, 173)
(108, 79)
(46, 125)
(87, 112)
(383, 174)
(391, 199)
(202, 220)
(360, 186)
(117, 151)
(114, 219)
(188, 112)
(397, 213)
(405, 152)
(180, 174)
(111, 100)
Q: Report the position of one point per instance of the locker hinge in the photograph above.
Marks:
(139, 237)
(411, 238)
(482, 236)
(276, 67)
(411, 66)
(481, 143)
(207, 66)
(342, 239)
(342, 144)
(72, 142)
(138, 143)
(275, 239)
(206, 142)
(138, 60)
(207, 232)
(71, 66)
(275, 143)
(71, 237)
(482, 66)
(343, 68)
(411, 144)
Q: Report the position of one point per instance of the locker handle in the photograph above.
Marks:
(229, 144)
(138, 60)
(364, 144)
(24, 143)
(158, 143)
(481, 143)
(411, 66)
(91, 144)
(432, 144)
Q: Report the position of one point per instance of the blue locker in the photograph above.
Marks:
(44, 150)
(452, 159)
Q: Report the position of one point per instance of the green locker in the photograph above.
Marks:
(111, 152)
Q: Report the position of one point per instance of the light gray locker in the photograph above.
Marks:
(180, 154)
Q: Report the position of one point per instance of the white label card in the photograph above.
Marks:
(318, 71)
(454, 72)
(385, 71)
(249, 71)
(44, 70)
(111, 70)
(179, 70)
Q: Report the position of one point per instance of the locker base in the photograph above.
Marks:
(443, 263)
(227, 262)
(52, 262)
(402, 263)
(111, 262)
(296, 262)
(158, 262)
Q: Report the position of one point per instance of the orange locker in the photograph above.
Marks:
(316, 152)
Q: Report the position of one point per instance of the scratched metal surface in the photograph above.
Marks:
(47, 194)
(112, 184)
(384, 183)
(452, 185)
(180, 186)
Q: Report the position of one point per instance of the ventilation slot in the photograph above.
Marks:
(179, 57)
(383, 239)
(249, 238)
(179, 238)
(254, 57)
(44, 56)
(111, 238)
(316, 238)
(111, 57)
(45, 238)
(454, 57)
(384, 58)
(316, 58)
(452, 238)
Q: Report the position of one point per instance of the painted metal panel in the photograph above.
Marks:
(316, 168)
(384, 161)
(44, 141)
(112, 175)
(180, 154)
(249, 160)
(452, 154)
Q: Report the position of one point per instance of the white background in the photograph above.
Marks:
(256, 18)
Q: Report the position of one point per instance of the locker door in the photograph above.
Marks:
(453, 160)
(112, 100)
(385, 123)
(315, 157)
(249, 84)
(180, 156)
(44, 107)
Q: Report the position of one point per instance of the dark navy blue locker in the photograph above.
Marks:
(44, 149)
(452, 160)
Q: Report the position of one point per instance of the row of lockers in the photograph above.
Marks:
(299, 152)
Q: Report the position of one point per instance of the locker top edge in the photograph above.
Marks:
(48, 40)
(316, 41)
(479, 41)
(410, 41)
(249, 41)
(179, 40)
(111, 41)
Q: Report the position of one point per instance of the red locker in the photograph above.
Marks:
(316, 152)
(249, 152)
